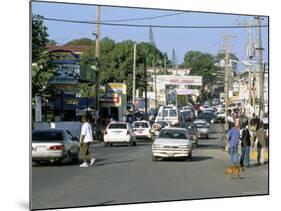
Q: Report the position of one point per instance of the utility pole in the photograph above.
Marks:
(134, 74)
(145, 88)
(261, 84)
(98, 61)
(155, 91)
(250, 56)
(226, 64)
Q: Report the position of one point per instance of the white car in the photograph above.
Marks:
(119, 132)
(202, 127)
(54, 145)
(172, 142)
(168, 113)
(142, 130)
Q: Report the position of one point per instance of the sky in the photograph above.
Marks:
(182, 40)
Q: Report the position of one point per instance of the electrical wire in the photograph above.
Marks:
(154, 26)
(147, 18)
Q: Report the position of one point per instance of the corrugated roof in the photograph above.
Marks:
(72, 48)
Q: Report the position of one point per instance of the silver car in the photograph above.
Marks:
(54, 145)
(202, 127)
(172, 142)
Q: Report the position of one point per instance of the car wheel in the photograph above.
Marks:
(111, 144)
(207, 137)
(154, 158)
(105, 144)
(75, 158)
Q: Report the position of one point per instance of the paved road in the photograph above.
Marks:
(125, 174)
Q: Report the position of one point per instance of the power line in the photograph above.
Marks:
(147, 18)
(155, 26)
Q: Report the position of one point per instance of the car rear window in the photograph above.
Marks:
(172, 113)
(117, 126)
(140, 125)
(172, 134)
(47, 136)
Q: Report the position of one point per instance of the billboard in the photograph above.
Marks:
(187, 92)
(180, 80)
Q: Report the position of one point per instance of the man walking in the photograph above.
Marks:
(245, 144)
(86, 138)
(260, 140)
(233, 138)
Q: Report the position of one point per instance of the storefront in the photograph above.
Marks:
(113, 105)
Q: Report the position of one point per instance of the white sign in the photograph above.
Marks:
(38, 109)
(180, 80)
(187, 92)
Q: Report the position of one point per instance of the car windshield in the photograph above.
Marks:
(117, 126)
(140, 125)
(47, 136)
(172, 134)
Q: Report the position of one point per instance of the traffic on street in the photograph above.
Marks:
(118, 120)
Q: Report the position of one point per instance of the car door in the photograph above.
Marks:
(72, 148)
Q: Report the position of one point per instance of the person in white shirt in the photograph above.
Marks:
(86, 138)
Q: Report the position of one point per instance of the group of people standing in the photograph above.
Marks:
(248, 135)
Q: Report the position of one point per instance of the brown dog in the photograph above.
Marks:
(233, 171)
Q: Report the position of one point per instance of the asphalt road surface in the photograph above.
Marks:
(126, 174)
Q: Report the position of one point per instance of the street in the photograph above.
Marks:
(127, 174)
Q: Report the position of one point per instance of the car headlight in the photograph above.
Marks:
(183, 146)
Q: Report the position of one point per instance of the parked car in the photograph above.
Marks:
(192, 131)
(119, 132)
(209, 116)
(142, 130)
(54, 145)
(157, 126)
(172, 142)
(203, 127)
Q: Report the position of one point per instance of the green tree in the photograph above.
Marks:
(116, 61)
(201, 64)
(42, 67)
(81, 41)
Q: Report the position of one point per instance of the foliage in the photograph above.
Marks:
(201, 64)
(116, 61)
(81, 41)
(42, 68)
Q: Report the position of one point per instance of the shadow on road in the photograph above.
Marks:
(200, 158)
(194, 159)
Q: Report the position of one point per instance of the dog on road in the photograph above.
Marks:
(233, 171)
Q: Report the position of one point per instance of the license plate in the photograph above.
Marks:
(139, 131)
(40, 148)
(117, 131)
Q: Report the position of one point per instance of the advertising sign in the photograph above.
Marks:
(38, 109)
(187, 92)
(180, 80)
(115, 88)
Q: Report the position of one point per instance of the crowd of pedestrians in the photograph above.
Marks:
(248, 133)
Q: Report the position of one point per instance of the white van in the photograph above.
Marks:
(168, 113)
